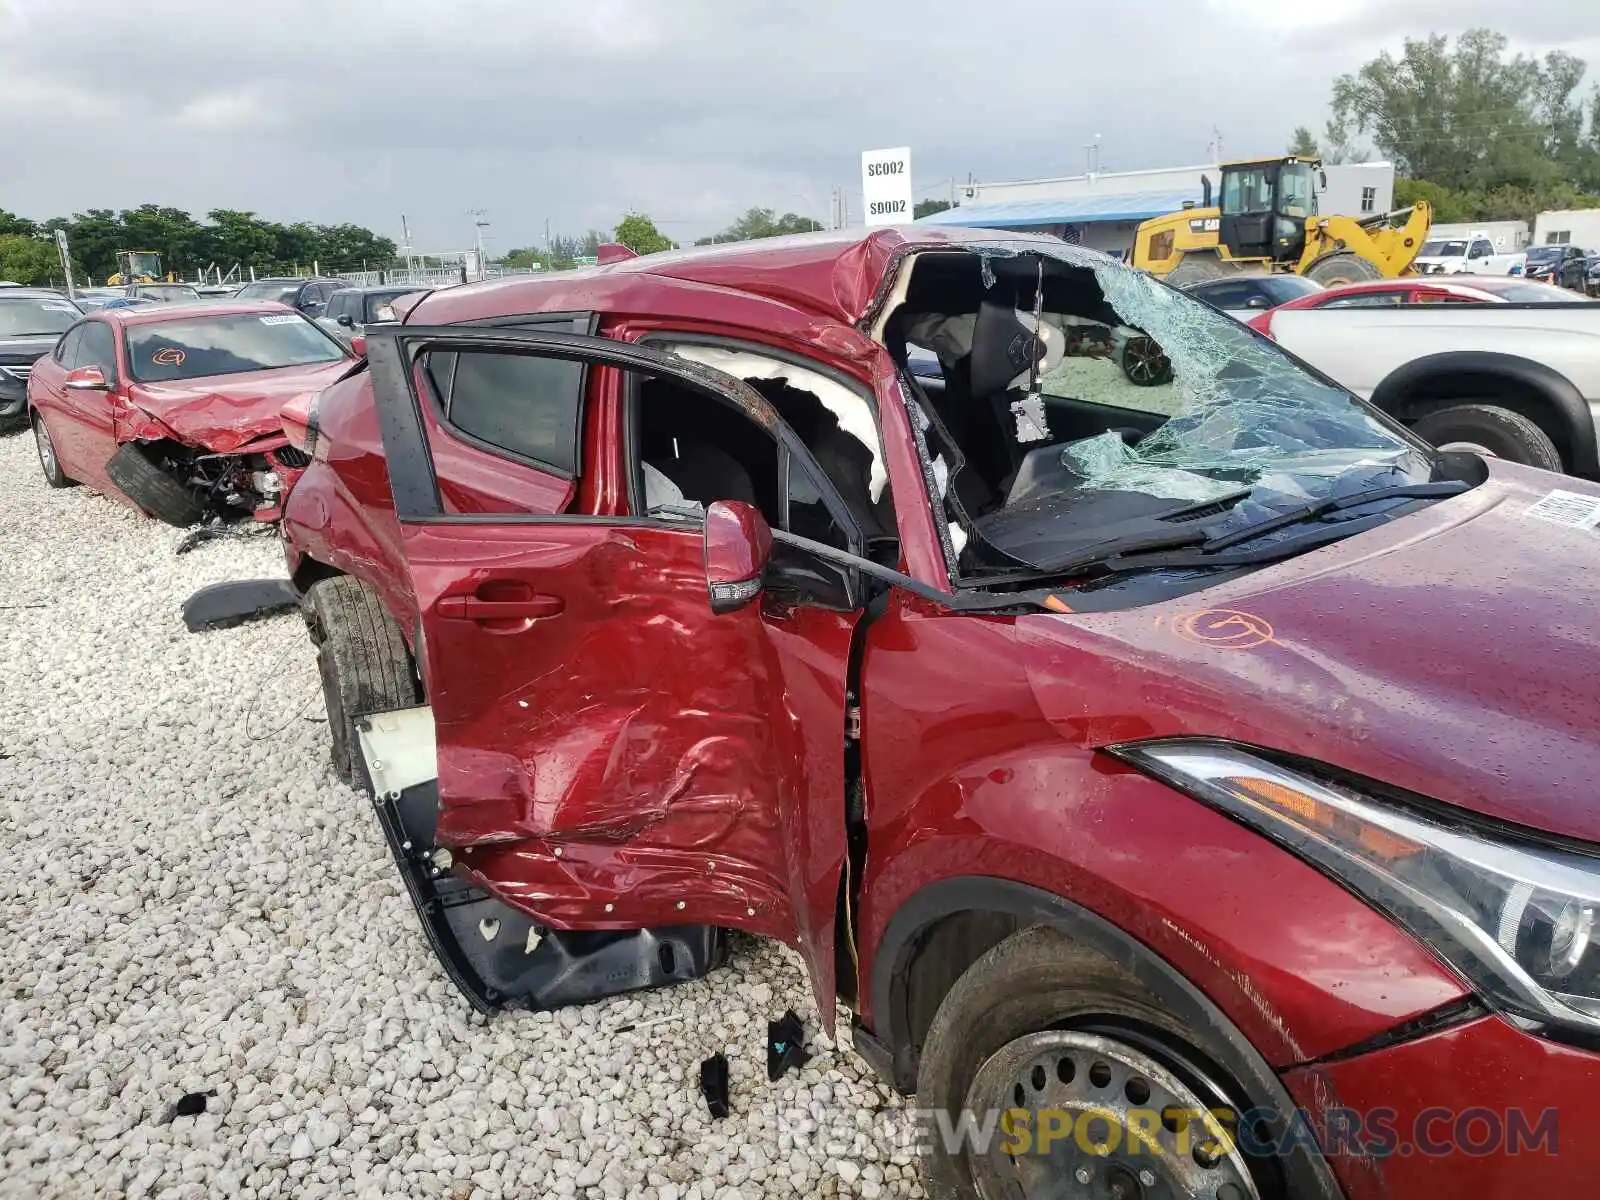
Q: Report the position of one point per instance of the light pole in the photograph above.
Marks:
(479, 224)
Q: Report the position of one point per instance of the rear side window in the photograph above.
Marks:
(99, 348)
(69, 348)
(524, 405)
(518, 403)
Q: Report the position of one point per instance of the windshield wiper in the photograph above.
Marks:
(1192, 548)
(1321, 508)
(1100, 552)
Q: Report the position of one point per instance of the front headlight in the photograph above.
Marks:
(1517, 917)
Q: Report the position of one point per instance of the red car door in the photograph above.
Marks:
(611, 754)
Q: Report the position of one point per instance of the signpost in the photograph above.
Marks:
(886, 186)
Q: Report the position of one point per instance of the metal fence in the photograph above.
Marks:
(429, 277)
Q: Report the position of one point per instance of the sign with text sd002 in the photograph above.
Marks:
(886, 186)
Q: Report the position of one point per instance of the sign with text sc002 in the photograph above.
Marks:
(886, 186)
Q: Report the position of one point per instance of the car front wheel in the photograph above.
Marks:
(1104, 1087)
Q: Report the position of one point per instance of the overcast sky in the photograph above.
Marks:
(688, 110)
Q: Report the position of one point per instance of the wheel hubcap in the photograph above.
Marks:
(47, 452)
(1144, 359)
(1101, 1119)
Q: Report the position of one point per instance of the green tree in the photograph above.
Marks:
(1304, 143)
(11, 223)
(1467, 116)
(29, 260)
(95, 237)
(525, 256)
(762, 223)
(926, 208)
(171, 232)
(638, 233)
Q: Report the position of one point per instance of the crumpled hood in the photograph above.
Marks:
(1454, 652)
(223, 412)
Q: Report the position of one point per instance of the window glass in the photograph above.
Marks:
(1227, 295)
(68, 349)
(1368, 300)
(27, 316)
(1481, 249)
(1295, 190)
(99, 348)
(194, 347)
(793, 570)
(521, 403)
(1246, 191)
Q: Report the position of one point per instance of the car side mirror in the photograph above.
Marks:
(358, 345)
(345, 319)
(1258, 302)
(86, 379)
(738, 544)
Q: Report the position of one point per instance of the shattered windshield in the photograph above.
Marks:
(1084, 402)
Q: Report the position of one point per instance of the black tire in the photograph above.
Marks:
(49, 460)
(1145, 363)
(1487, 427)
(1038, 980)
(363, 660)
(141, 479)
(1344, 267)
(1195, 268)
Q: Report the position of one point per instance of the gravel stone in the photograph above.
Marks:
(192, 902)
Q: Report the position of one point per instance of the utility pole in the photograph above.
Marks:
(479, 224)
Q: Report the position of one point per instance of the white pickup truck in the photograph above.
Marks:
(1473, 255)
(1520, 381)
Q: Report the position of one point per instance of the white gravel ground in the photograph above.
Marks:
(190, 901)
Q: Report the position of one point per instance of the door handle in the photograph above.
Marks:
(471, 608)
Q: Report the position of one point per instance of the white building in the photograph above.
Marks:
(1570, 226)
(1102, 210)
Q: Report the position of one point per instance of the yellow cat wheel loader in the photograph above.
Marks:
(1266, 220)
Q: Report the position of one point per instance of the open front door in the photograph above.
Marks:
(611, 755)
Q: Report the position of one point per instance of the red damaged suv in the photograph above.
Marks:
(1196, 778)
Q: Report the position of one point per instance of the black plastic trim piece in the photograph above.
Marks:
(405, 443)
(221, 605)
(500, 957)
(1457, 1012)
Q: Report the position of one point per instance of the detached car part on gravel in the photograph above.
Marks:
(1089, 738)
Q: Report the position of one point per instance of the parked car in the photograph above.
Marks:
(1029, 718)
(1511, 368)
(1591, 284)
(174, 408)
(310, 296)
(93, 299)
(217, 291)
(30, 325)
(351, 310)
(1474, 255)
(1407, 290)
(1560, 265)
(166, 293)
(1251, 293)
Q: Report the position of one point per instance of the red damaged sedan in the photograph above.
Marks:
(175, 408)
(1191, 786)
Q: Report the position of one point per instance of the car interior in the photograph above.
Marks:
(693, 449)
(1002, 486)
